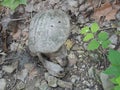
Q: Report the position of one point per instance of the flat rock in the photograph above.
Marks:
(72, 59)
(74, 78)
(52, 81)
(22, 75)
(2, 84)
(106, 83)
(113, 39)
(64, 84)
(20, 85)
(73, 3)
(44, 85)
(10, 68)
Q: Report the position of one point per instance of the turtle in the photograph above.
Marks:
(48, 32)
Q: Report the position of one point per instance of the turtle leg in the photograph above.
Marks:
(60, 56)
(53, 68)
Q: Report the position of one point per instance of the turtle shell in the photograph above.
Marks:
(48, 31)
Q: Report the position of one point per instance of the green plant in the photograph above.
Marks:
(114, 68)
(101, 38)
(12, 4)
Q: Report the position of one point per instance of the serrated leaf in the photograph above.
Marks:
(94, 44)
(12, 4)
(113, 70)
(113, 80)
(103, 36)
(116, 88)
(114, 57)
(84, 30)
(118, 80)
(94, 27)
(88, 37)
(106, 43)
(23, 2)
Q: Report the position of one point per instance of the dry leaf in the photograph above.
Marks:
(108, 10)
(69, 44)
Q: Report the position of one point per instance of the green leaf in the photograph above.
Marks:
(88, 37)
(106, 43)
(113, 80)
(102, 36)
(84, 30)
(12, 4)
(113, 70)
(23, 2)
(94, 27)
(114, 57)
(94, 44)
(116, 88)
(118, 80)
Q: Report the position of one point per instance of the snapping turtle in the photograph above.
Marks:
(48, 32)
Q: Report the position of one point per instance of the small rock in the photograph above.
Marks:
(53, 2)
(86, 83)
(107, 84)
(111, 46)
(10, 68)
(22, 75)
(113, 39)
(91, 72)
(20, 85)
(2, 84)
(44, 85)
(81, 1)
(84, 6)
(73, 3)
(64, 84)
(74, 78)
(118, 16)
(1, 74)
(72, 59)
(118, 28)
(29, 7)
(52, 81)
(81, 19)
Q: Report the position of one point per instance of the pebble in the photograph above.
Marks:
(72, 59)
(20, 85)
(81, 1)
(2, 84)
(44, 85)
(52, 81)
(81, 19)
(74, 78)
(54, 2)
(73, 3)
(29, 7)
(91, 72)
(22, 75)
(113, 39)
(10, 68)
(86, 83)
(1, 74)
(64, 84)
(118, 16)
(118, 28)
